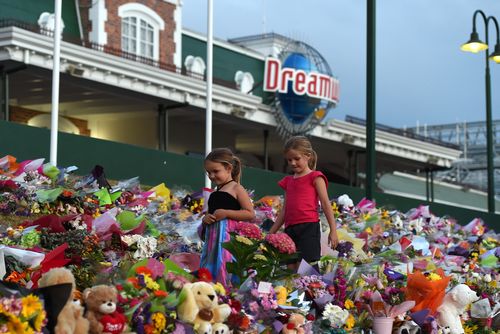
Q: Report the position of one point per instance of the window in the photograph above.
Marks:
(138, 37)
(140, 30)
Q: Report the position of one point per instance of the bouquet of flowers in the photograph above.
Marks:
(22, 315)
(145, 299)
(427, 290)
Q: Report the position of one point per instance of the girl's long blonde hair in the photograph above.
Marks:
(226, 157)
(303, 145)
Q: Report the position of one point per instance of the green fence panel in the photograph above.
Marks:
(122, 161)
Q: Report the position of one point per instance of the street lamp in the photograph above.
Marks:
(475, 45)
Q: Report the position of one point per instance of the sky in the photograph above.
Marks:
(421, 73)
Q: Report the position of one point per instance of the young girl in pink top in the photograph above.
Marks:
(303, 192)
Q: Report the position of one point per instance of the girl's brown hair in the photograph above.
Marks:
(226, 157)
(303, 145)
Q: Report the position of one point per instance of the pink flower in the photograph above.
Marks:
(248, 230)
(282, 242)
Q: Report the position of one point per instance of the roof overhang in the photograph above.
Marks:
(36, 50)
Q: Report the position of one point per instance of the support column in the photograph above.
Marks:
(162, 128)
(266, 150)
(4, 95)
(432, 185)
(370, 99)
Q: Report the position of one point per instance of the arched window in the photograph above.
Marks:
(140, 30)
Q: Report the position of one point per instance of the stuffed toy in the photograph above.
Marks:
(295, 324)
(454, 304)
(219, 328)
(409, 327)
(70, 319)
(199, 306)
(100, 301)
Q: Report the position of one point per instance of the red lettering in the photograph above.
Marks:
(312, 86)
(324, 86)
(286, 75)
(271, 74)
(299, 86)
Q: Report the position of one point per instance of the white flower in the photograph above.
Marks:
(344, 200)
(146, 247)
(398, 223)
(417, 224)
(487, 278)
(336, 315)
(130, 239)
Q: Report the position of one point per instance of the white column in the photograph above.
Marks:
(208, 124)
(54, 124)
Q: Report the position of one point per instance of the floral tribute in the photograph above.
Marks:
(385, 260)
(22, 315)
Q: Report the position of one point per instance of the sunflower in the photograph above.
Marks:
(31, 305)
(39, 321)
(15, 326)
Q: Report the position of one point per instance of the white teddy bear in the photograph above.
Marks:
(453, 306)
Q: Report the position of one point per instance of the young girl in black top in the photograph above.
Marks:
(228, 204)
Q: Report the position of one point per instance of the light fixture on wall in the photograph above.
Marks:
(238, 112)
(75, 71)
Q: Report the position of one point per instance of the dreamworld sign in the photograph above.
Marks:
(281, 79)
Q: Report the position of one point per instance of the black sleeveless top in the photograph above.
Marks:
(222, 200)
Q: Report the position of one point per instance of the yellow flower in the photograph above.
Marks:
(262, 248)
(348, 304)
(350, 322)
(493, 283)
(244, 240)
(150, 284)
(335, 208)
(260, 257)
(366, 216)
(433, 277)
(159, 321)
(37, 324)
(281, 294)
(219, 289)
(15, 326)
(470, 329)
(31, 304)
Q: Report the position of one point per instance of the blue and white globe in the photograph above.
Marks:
(298, 108)
(299, 114)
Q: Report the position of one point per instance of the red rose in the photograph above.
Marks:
(204, 275)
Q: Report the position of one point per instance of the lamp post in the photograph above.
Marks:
(475, 45)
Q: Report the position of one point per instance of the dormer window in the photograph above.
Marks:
(140, 30)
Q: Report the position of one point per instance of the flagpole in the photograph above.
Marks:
(208, 122)
(54, 124)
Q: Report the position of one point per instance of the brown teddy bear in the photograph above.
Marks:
(100, 301)
(70, 320)
(200, 307)
(295, 324)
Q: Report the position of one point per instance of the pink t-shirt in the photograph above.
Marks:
(302, 201)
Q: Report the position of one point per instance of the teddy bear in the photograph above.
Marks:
(454, 304)
(70, 320)
(100, 301)
(295, 324)
(219, 328)
(200, 307)
(409, 327)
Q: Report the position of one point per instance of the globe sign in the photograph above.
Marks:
(305, 90)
